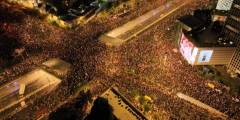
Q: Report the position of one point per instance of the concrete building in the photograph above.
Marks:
(205, 48)
(232, 32)
(202, 41)
(221, 42)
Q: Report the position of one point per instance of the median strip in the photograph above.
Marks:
(202, 105)
(134, 27)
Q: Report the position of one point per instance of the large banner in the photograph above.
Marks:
(224, 4)
(186, 47)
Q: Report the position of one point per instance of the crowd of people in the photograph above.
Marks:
(140, 65)
(137, 65)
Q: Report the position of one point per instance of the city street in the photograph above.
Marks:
(136, 26)
(36, 83)
(150, 65)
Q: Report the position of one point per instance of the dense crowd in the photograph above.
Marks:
(138, 65)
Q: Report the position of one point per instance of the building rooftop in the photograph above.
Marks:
(208, 37)
(219, 12)
(190, 22)
(122, 108)
(204, 34)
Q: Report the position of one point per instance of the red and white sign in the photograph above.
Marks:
(186, 47)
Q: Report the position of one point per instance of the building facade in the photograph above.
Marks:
(232, 31)
(202, 54)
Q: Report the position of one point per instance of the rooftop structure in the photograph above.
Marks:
(224, 4)
(232, 32)
(202, 41)
(122, 108)
(209, 37)
(190, 22)
(219, 16)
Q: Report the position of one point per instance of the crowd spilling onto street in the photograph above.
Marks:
(150, 64)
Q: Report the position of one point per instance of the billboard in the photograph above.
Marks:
(224, 4)
(186, 48)
(205, 56)
(194, 55)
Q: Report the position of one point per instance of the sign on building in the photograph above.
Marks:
(205, 56)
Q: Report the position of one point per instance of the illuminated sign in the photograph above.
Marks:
(205, 56)
(224, 4)
(194, 55)
(186, 48)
